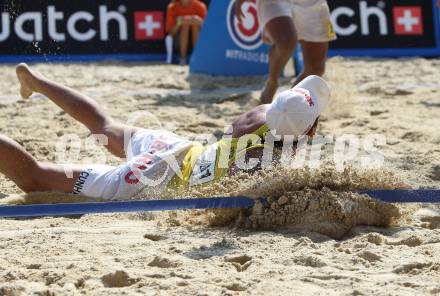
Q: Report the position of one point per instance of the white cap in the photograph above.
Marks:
(295, 110)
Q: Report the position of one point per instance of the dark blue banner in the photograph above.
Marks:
(83, 30)
(385, 28)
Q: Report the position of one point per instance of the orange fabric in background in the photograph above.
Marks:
(176, 9)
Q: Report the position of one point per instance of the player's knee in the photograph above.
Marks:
(286, 46)
(185, 27)
(33, 181)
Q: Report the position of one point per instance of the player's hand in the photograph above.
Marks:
(179, 21)
(197, 20)
(238, 12)
(186, 20)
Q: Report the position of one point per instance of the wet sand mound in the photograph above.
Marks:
(327, 212)
(319, 200)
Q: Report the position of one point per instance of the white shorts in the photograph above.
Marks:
(311, 18)
(153, 158)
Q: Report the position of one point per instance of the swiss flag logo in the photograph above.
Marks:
(408, 20)
(149, 25)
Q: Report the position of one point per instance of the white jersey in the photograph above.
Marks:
(154, 157)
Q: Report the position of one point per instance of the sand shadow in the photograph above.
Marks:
(239, 232)
(431, 104)
(390, 231)
(219, 248)
(208, 102)
(208, 93)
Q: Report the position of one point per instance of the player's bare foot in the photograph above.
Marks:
(26, 77)
(270, 88)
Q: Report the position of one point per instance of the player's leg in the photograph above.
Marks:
(195, 30)
(315, 56)
(282, 35)
(315, 31)
(184, 41)
(77, 105)
(29, 174)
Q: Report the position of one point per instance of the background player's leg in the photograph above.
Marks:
(282, 34)
(315, 56)
(195, 29)
(77, 105)
(29, 174)
(184, 41)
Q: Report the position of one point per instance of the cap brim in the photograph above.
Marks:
(319, 89)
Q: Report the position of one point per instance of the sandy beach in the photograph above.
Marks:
(316, 238)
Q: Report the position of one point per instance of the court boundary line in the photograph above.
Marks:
(221, 202)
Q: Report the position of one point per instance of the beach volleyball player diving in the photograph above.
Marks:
(157, 158)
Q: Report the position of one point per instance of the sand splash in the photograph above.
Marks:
(319, 200)
(327, 212)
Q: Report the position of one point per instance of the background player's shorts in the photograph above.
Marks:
(154, 154)
(311, 18)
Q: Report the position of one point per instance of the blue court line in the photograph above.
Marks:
(405, 196)
(40, 210)
(81, 58)
(65, 209)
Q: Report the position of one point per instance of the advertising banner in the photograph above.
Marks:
(81, 30)
(385, 28)
(227, 47)
(363, 27)
(84, 30)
